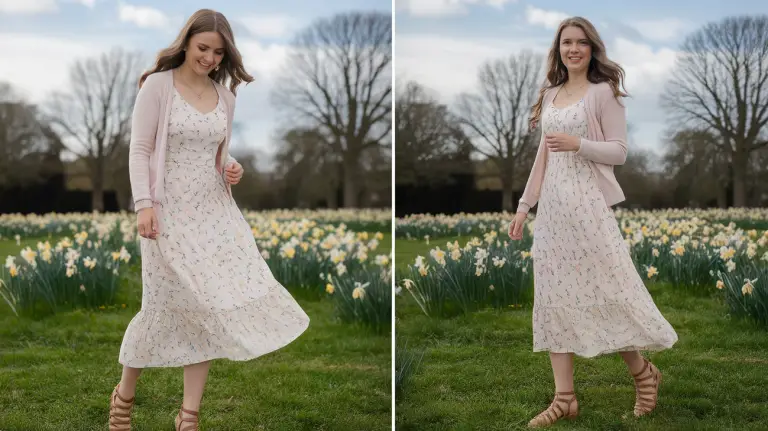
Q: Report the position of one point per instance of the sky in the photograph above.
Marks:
(442, 43)
(40, 39)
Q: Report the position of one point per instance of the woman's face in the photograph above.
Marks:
(575, 50)
(204, 52)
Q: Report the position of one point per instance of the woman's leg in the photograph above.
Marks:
(564, 404)
(194, 382)
(647, 380)
(562, 368)
(634, 361)
(128, 382)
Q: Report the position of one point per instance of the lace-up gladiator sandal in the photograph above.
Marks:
(120, 411)
(564, 405)
(646, 389)
(192, 422)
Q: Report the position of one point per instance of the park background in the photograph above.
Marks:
(695, 217)
(460, 150)
(317, 194)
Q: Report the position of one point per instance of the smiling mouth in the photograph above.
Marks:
(204, 65)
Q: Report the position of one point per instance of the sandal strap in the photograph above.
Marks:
(120, 411)
(192, 422)
(117, 393)
(645, 367)
(558, 409)
(191, 412)
(647, 393)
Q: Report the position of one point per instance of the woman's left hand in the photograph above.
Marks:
(234, 172)
(561, 142)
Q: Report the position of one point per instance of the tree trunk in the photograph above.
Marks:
(97, 180)
(97, 197)
(330, 197)
(722, 196)
(351, 179)
(507, 193)
(740, 178)
(506, 170)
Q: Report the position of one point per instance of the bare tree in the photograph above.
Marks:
(759, 181)
(96, 112)
(428, 137)
(310, 172)
(698, 168)
(719, 85)
(26, 142)
(496, 117)
(337, 79)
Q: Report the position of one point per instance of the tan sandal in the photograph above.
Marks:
(193, 421)
(646, 389)
(120, 411)
(561, 407)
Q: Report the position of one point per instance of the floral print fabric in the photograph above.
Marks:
(207, 291)
(589, 298)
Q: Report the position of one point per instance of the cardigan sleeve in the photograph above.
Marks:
(233, 102)
(535, 179)
(613, 121)
(144, 121)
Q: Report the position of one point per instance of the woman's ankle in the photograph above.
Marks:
(126, 391)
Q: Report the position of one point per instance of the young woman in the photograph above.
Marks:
(589, 299)
(207, 291)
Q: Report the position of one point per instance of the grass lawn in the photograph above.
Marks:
(479, 371)
(406, 250)
(57, 374)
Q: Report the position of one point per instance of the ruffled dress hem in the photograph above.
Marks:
(593, 330)
(241, 334)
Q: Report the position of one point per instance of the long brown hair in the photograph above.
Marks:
(601, 69)
(203, 20)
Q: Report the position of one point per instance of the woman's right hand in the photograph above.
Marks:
(147, 222)
(516, 226)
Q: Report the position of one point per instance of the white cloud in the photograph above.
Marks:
(646, 69)
(254, 109)
(445, 7)
(262, 60)
(143, 16)
(32, 7)
(36, 65)
(546, 18)
(662, 30)
(274, 26)
(450, 65)
(27, 6)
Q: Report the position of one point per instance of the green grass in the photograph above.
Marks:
(9, 247)
(57, 374)
(479, 371)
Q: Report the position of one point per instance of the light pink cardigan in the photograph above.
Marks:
(606, 146)
(149, 136)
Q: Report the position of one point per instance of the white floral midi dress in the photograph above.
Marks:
(207, 291)
(589, 298)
